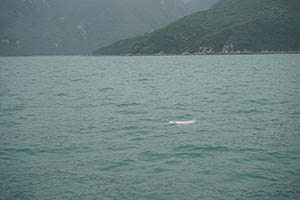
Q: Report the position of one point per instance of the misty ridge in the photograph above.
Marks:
(67, 27)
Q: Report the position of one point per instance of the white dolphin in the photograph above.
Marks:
(182, 122)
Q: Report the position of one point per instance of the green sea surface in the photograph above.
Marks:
(96, 127)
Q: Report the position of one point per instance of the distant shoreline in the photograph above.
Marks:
(206, 54)
(165, 54)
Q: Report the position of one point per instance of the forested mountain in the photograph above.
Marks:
(56, 27)
(229, 26)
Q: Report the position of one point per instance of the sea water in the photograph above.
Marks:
(97, 127)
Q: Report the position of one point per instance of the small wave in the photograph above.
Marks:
(173, 162)
(76, 80)
(53, 150)
(152, 120)
(295, 113)
(62, 95)
(8, 151)
(264, 102)
(159, 170)
(80, 80)
(132, 112)
(162, 108)
(255, 176)
(190, 148)
(9, 124)
(91, 75)
(247, 150)
(189, 155)
(115, 165)
(128, 104)
(137, 139)
(145, 79)
(13, 108)
(84, 130)
(249, 111)
(130, 128)
(153, 156)
(260, 101)
(22, 118)
(105, 89)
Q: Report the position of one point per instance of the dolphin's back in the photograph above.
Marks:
(182, 122)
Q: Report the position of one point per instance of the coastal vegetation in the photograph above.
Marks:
(231, 26)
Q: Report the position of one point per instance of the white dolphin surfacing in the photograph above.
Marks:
(182, 122)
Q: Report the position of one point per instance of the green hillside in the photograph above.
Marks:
(230, 26)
